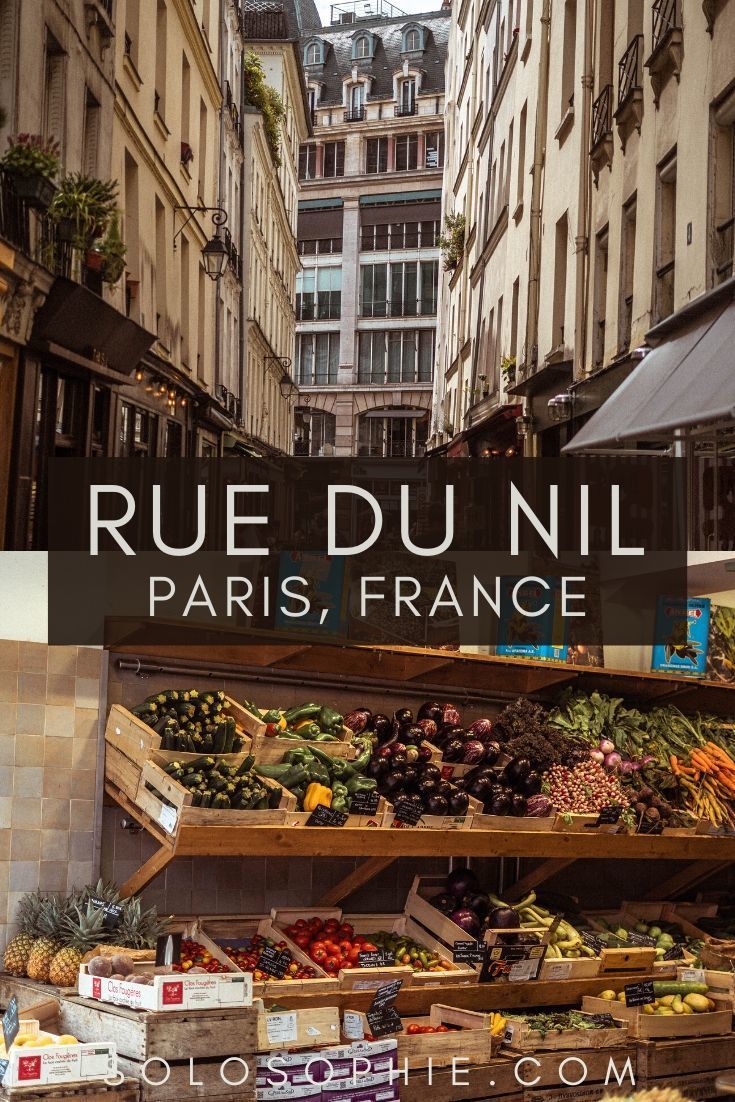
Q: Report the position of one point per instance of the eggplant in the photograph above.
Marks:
(450, 730)
(501, 805)
(493, 750)
(458, 803)
(431, 770)
(382, 727)
(444, 902)
(503, 918)
(450, 714)
(518, 805)
(472, 752)
(393, 781)
(425, 753)
(453, 750)
(410, 776)
(531, 785)
(427, 786)
(400, 758)
(428, 726)
(358, 720)
(477, 902)
(460, 882)
(377, 768)
(478, 789)
(431, 710)
(411, 734)
(436, 805)
(481, 728)
(518, 769)
(397, 748)
(467, 920)
(445, 789)
(403, 715)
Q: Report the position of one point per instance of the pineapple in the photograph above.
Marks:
(47, 945)
(18, 949)
(138, 929)
(79, 930)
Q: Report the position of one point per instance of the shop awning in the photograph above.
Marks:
(687, 379)
(76, 319)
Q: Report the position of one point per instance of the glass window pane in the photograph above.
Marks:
(408, 370)
(410, 304)
(394, 357)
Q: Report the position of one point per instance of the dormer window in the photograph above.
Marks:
(413, 39)
(362, 47)
(314, 53)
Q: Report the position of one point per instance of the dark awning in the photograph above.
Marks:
(687, 379)
(75, 318)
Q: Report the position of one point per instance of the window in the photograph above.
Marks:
(394, 433)
(185, 316)
(561, 249)
(412, 40)
(521, 181)
(131, 233)
(90, 136)
(396, 356)
(334, 159)
(400, 235)
(313, 54)
(435, 149)
(185, 100)
(722, 214)
(599, 305)
(54, 91)
(138, 430)
(132, 29)
(407, 97)
(407, 152)
(362, 47)
(317, 359)
(174, 442)
(663, 303)
(317, 432)
(100, 420)
(159, 100)
(405, 289)
(513, 350)
(568, 56)
(318, 293)
(355, 99)
(627, 267)
(307, 162)
(203, 150)
(376, 155)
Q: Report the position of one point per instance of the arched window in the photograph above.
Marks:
(363, 47)
(412, 40)
(313, 54)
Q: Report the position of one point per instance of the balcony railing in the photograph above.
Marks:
(630, 70)
(354, 114)
(264, 21)
(405, 109)
(602, 115)
(665, 17)
(34, 233)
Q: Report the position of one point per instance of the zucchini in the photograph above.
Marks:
(206, 798)
(192, 780)
(678, 987)
(196, 798)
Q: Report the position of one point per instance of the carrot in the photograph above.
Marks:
(674, 765)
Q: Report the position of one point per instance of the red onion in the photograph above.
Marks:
(613, 760)
(606, 745)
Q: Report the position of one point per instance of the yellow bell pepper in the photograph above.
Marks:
(317, 794)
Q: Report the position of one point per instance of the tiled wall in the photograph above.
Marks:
(51, 703)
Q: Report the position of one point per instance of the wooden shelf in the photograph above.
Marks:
(485, 676)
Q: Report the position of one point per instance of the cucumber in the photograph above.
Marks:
(678, 987)
(246, 765)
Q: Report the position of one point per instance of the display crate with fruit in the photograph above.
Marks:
(349, 950)
(38, 1058)
(278, 965)
(181, 721)
(307, 724)
(437, 1037)
(315, 779)
(653, 925)
(553, 1031)
(678, 1008)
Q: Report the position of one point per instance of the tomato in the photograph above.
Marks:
(368, 947)
(413, 1029)
(301, 924)
(355, 953)
(303, 939)
(315, 924)
(331, 964)
(346, 930)
(291, 930)
(332, 947)
(345, 947)
(332, 925)
(442, 1029)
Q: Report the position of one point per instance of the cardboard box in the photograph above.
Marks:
(370, 1057)
(176, 992)
(50, 1064)
(367, 1088)
(681, 636)
(294, 1092)
(541, 637)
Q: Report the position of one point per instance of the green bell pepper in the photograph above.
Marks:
(330, 720)
(303, 711)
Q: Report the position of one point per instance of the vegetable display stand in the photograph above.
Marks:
(523, 823)
(651, 1026)
(127, 1091)
(583, 824)
(406, 927)
(354, 822)
(392, 821)
(702, 1085)
(233, 932)
(468, 1037)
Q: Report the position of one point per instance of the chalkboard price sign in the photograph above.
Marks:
(469, 952)
(274, 961)
(639, 994)
(11, 1025)
(365, 803)
(323, 816)
(407, 811)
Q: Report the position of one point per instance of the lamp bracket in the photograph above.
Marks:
(219, 217)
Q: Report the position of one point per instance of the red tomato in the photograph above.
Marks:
(332, 925)
(303, 939)
(315, 923)
(331, 964)
(413, 1029)
(318, 954)
(345, 947)
(355, 953)
(368, 947)
(346, 930)
(301, 924)
(442, 1029)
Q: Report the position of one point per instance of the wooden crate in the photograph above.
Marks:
(403, 924)
(631, 913)
(287, 1029)
(523, 823)
(721, 990)
(640, 959)
(435, 822)
(230, 928)
(142, 1034)
(685, 1056)
(519, 1037)
(360, 822)
(573, 968)
(472, 1041)
(702, 1085)
(583, 824)
(127, 1091)
(271, 748)
(652, 1026)
(198, 1079)
(178, 811)
(137, 741)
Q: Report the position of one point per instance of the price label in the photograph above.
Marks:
(693, 975)
(558, 970)
(641, 940)
(281, 1029)
(607, 816)
(676, 952)
(468, 952)
(592, 941)
(376, 958)
(365, 803)
(274, 961)
(639, 994)
(113, 912)
(11, 1025)
(168, 949)
(386, 994)
(323, 816)
(384, 1020)
(407, 812)
(513, 963)
(168, 817)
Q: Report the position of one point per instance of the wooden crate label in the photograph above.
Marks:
(281, 1029)
(168, 818)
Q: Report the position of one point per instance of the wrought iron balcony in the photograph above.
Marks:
(405, 109)
(263, 21)
(354, 114)
(666, 17)
(602, 115)
(630, 71)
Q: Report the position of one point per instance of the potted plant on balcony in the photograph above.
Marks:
(113, 252)
(33, 162)
(508, 370)
(82, 210)
(451, 241)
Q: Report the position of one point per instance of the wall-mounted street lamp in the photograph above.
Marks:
(286, 384)
(215, 253)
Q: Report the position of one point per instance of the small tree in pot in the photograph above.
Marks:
(83, 208)
(33, 162)
(113, 251)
